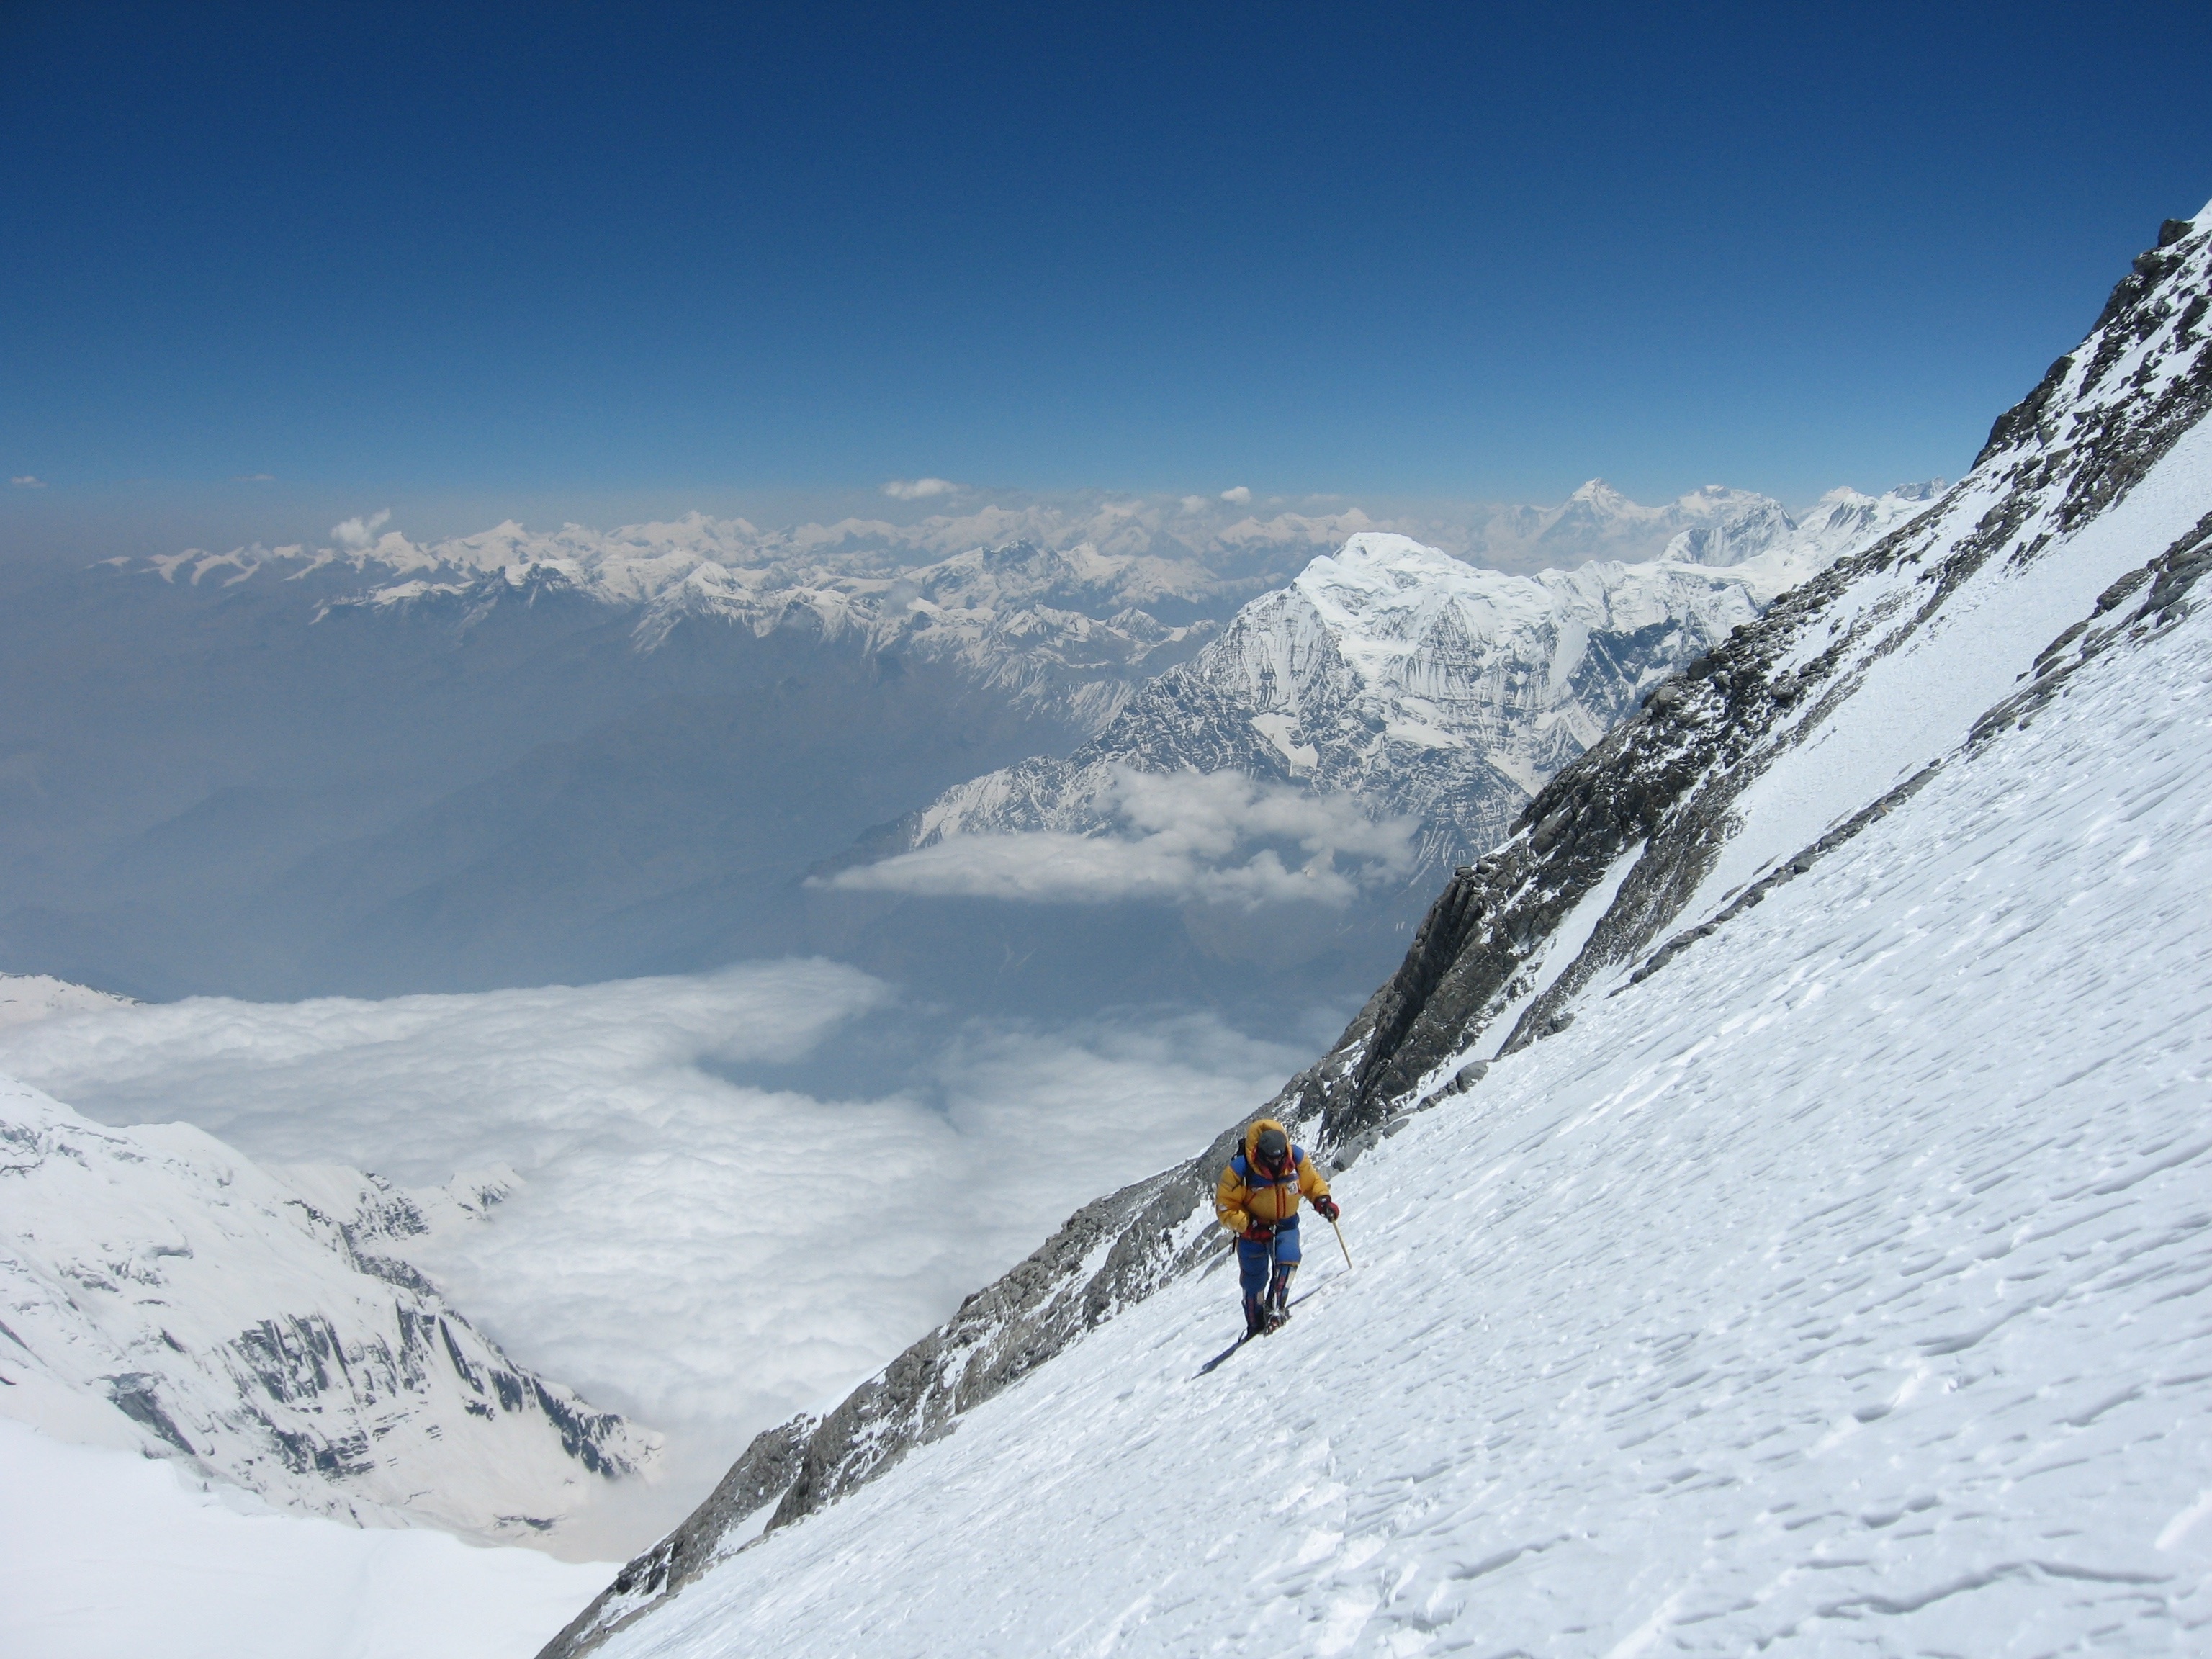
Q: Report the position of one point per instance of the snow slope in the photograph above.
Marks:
(1846, 1288)
(109, 1555)
(159, 1292)
(1818, 1261)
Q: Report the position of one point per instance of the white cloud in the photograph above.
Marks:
(1217, 836)
(705, 1252)
(914, 489)
(357, 535)
(1239, 496)
(28, 482)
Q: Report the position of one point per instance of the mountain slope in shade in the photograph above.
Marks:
(1778, 1172)
(158, 1290)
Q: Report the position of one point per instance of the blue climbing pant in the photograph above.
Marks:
(1267, 1291)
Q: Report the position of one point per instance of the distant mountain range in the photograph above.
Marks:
(1266, 821)
(1064, 609)
(378, 765)
(1422, 686)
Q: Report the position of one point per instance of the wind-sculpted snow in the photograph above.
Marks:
(1750, 1165)
(269, 1332)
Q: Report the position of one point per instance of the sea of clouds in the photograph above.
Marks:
(1219, 837)
(711, 1230)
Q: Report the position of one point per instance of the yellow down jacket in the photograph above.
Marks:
(1246, 1194)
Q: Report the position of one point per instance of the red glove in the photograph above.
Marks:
(1326, 1205)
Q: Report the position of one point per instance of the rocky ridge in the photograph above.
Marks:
(1642, 848)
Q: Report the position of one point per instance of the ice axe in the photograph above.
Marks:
(1340, 1244)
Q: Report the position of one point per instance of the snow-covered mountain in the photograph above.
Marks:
(1420, 686)
(1067, 611)
(382, 765)
(1069, 631)
(1775, 1175)
(26, 998)
(160, 1291)
(1598, 522)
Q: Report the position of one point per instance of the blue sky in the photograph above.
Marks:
(668, 254)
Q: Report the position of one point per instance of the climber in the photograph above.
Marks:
(1258, 1201)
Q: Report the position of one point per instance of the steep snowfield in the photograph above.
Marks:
(1843, 1286)
(157, 1290)
(107, 1555)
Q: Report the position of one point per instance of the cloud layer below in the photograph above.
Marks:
(705, 1252)
(1219, 837)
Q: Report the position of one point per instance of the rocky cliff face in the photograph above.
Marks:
(268, 1331)
(2084, 528)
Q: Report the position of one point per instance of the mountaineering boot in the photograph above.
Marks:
(1277, 1302)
